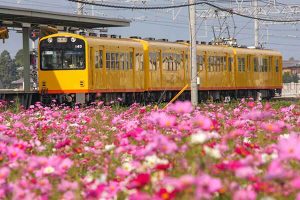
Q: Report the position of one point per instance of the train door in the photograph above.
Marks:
(230, 71)
(99, 78)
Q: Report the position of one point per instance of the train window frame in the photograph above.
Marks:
(122, 61)
(230, 63)
(153, 61)
(241, 64)
(255, 64)
(265, 64)
(101, 58)
(224, 63)
(64, 49)
(276, 64)
(130, 60)
(108, 60)
(96, 58)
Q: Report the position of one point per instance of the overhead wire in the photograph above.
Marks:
(183, 5)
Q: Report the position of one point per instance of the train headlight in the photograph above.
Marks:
(73, 39)
(50, 40)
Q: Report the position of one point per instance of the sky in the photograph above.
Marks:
(172, 25)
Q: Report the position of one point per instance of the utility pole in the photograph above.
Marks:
(79, 8)
(256, 24)
(194, 86)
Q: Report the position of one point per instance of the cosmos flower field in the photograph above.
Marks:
(243, 151)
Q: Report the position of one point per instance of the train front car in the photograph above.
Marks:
(63, 68)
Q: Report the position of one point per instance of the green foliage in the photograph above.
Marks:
(8, 70)
(288, 77)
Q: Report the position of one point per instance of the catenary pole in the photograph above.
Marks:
(194, 86)
(80, 8)
(256, 24)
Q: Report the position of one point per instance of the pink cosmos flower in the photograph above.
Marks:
(140, 196)
(4, 173)
(244, 195)
(139, 181)
(276, 170)
(65, 185)
(204, 123)
(289, 148)
(206, 186)
(271, 127)
(181, 107)
(245, 172)
(167, 121)
(3, 127)
(295, 183)
(256, 115)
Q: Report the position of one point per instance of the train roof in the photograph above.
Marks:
(136, 42)
(125, 42)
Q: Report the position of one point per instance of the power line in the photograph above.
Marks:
(183, 5)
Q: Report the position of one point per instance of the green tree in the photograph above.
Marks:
(8, 70)
(19, 58)
(288, 77)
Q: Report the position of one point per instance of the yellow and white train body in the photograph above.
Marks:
(84, 67)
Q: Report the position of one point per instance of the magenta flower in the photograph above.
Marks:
(204, 123)
(276, 170)
(140, 196)
(244, 195)
(245, 172)
(206, 186)
(271, 127)
(4, 173)
(295, 183)
(139, 181)
(181, 107)
(289, 148)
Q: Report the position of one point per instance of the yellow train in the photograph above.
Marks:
(81, 68)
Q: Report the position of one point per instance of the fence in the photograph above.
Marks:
(291, 90)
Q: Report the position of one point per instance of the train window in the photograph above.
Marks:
(179, 61)
(210, 63)
(277, 65)
(117, 61)
(96, 59)
(100, 58)
(200, 62)
(113, 61)
(270, 64)
(52, 59)
(130, 59)
(265, 65)
(108, 61)
(255, 63)
(139, 61)
(230, 63)
(125, 61)
(73, 60)
(241, 64)
(224, 63)
(153, 61)
(122, 60)
(142, 61)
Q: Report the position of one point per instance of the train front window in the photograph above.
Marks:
(51, 59)
(58, 54)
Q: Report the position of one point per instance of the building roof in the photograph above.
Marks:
(15, 17)
(291, 63)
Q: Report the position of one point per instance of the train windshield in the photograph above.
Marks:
(62, 53)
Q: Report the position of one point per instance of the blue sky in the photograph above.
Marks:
(159, 24)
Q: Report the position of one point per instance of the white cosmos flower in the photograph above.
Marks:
(49, 170)
(109, 147)
(199, 138)
(213, 152)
